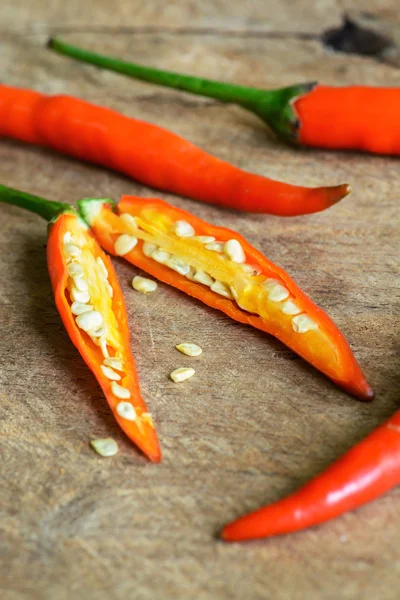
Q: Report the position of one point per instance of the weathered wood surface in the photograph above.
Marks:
(255, 422)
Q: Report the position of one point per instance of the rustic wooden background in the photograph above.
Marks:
(256, 421)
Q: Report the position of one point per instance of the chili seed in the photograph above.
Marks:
(78, 308)
(189, 349)
(182, 374)
(119, 391)
(202, 277)
(78, 296)
(102, 266)
(147, 418)
(191, 273)
(233, 249)
(276, 292)
(67, 237)
(126, 410)
(204, 239)
(215, 246)
(178, 265)
(303, 323)
(129, 221)
(290, 308)
(114, 362)
(109, 289)
(89, 320)
(149, 248)
(124, 244)
(250, 269)
(110, 373)
(97, 332)
(220, 288)
(144, 285)
(161, 256)
(71, 251)
(183, 229)
(103, 346)
(74, 269)
(80, 283)
(105, 446)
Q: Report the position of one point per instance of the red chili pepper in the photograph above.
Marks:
(150, 154)
(224, 271)
(91, 306)
(348, 118)
(364, 473)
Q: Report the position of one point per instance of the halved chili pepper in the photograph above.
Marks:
(224, 271)
(349, 118)
(367, 471)
(90, 302)
(150, 154)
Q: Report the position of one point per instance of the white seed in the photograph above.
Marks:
(191, 274)
(183, 229)
(147, 418)
(129, 221)
(97, 332)
(202, 277)
(105, 446)
(78, 296)
(204, 239)
(233, 250)
(102, 266)
(161, 256)
(89, 320)
(74, 269)
(290, 308)
(189, 349)
(78, 308)
(67, 237)
(221, 288)
(303, 323)
(144, 285)
(178, 265)
(103, 346)
(71, 251)
(110, 373)
(80, 283)
(149, 248)
(276, 292)
(114, 362)
(234, 293)
(250, 269)
(109, 289)
(215, 246)
(124, 244)
(126, 410)
(182, 374)
(119, 391)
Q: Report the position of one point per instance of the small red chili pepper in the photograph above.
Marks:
(150, 154)
(348, 118)
(224, 271)
(90, 302)
(364, 473)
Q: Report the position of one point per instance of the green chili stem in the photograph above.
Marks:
(47, 209)
(274, 107)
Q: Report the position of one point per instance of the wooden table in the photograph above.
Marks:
(256, 421)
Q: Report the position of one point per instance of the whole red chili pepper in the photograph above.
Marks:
(150, 154)
(348, 118)
(364, 473)
(223, 270)
(90, 302)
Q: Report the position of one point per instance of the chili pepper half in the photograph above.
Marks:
(364, 473)
(90, 302)
(224, 271)
(348, 118)
(150, 154)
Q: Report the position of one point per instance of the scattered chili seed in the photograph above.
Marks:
(105, 446)
(182, 374)
(144, 285)
(189, 349)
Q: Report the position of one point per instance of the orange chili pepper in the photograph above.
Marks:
(90, 302)
(224, 271)
(348, 118)
(364, 473)
(150, 154)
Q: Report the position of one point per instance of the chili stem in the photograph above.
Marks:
(48, 209)
(275, 107)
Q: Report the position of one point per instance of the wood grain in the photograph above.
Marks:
(256, 421)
